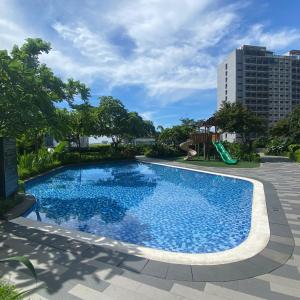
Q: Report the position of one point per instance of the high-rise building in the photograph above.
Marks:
(266, 83)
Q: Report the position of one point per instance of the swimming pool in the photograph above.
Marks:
(148, 205)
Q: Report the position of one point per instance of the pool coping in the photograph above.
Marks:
(274, 254)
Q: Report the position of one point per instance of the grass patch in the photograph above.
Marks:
(9, 292)
(7, 204)
(217, 163)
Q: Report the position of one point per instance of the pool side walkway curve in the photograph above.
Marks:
(75, 269)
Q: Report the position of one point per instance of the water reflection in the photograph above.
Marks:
(83, 193)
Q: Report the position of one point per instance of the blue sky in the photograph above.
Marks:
(158, 56)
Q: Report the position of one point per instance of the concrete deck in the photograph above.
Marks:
(77, 269)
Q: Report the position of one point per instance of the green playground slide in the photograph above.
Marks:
(224, 154)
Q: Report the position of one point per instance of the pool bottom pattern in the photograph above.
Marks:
(149, 205)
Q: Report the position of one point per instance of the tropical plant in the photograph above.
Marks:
(34, 163)
(10, 292)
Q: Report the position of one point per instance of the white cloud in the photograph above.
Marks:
(171, 48)
(68, 67)
(170, 58)
(147, 115)
(11, 32)
(273, 40)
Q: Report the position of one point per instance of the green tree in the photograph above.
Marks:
(138, 127)
(236, 118)
(116, 122)
(29, 90)
(294, 125)
(80, 121)
(188, 122)
(149, 129)
(175, 135)
(112, 119)
(281, 128)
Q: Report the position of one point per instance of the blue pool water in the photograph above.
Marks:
(146, 204)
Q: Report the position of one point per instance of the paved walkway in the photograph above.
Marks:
(74, 270)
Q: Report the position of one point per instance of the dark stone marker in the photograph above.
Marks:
(8, 167)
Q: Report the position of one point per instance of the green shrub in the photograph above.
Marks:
(113, 153)
(26, 161)
(60, 149)
(297, 155)
(261, 142)
(141, 149)
(99, 148)
(32, 164)
(254, 157)
(70, 158)
(128, 151)
(276, 146)
(293, 147)
(43, 159)
(160, 150)
(241, 152)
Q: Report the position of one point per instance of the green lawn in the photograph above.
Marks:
(217, 163)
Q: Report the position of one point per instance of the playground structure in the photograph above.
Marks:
(185, 146)
(208, 139)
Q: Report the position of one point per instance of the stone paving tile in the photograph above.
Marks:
(116, 292)
(287, 271)
(105, 255)
(84, 292)
(162, 284)
(188, 292)
(228, 293)
(133, 263)
(35, 297)
(103, 270)
(156, 269)
(252, 286)
(180, 272)
(155, 293)
(191, 284)
(286, 290)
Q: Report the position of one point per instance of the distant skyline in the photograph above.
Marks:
(158, 57)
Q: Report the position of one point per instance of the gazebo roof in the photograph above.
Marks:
(207, 123)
